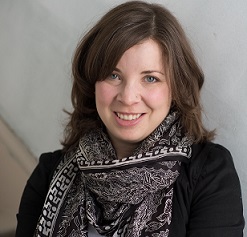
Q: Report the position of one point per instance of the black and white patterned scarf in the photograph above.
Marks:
(127, 197)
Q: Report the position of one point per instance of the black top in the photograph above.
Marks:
(207, 196)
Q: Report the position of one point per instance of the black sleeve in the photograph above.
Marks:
(216, 208)
(34, 194)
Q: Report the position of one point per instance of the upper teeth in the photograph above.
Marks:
(128, 116)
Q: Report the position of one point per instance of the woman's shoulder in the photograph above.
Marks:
(46, 166)
(209, 164)
(216, 199)
(51, 157)
(211, 167)
(35, 191)
(210, 154)
(50, 160)
(208, 161)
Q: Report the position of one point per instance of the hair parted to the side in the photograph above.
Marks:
(101, 48)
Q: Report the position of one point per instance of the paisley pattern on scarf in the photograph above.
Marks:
(130, 197)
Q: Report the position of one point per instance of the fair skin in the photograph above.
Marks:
(135, 98)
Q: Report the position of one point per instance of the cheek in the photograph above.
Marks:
(103, 93)
(160, 98)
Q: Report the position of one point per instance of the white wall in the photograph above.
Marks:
(37, 39)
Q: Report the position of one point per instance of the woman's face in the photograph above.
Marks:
(135, 98)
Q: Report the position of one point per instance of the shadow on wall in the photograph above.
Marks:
(16, 165)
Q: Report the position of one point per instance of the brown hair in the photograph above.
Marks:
(101, 48)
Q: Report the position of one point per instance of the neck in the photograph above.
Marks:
(124, 149)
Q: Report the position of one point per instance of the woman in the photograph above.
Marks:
(137, 160)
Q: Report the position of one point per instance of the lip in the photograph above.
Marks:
(132, 119)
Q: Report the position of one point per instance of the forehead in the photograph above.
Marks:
(147, 54)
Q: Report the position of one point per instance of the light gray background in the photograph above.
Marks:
(37, 40)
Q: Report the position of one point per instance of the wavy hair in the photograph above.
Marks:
(100, 49)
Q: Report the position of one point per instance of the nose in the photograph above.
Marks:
(129, 93)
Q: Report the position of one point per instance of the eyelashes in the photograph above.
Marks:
(114, 76)
(148, 78)
(151, 79)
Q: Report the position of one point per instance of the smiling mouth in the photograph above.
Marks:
(128, 117)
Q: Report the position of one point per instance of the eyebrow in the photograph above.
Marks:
(152, 71)
(144, 72)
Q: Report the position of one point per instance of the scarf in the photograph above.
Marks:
(129, 197)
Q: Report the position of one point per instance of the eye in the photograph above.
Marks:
(151, 79)
(114, 76)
